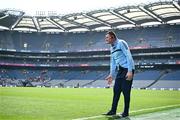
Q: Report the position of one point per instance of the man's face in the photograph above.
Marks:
(109, 39)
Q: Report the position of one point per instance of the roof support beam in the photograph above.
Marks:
(150, 13)
(62, 27)
(76, 23)
(97, 20)
(176, 5)
(36, 24)
(17, 21)
(56, 24)
(4, 17)
(122, 16)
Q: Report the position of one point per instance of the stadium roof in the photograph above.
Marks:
(153, 13)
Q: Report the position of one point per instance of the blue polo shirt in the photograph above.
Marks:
(120, 56)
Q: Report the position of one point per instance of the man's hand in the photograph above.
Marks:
(109, 79)
(129, 76)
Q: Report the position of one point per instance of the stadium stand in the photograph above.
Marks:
(92, 72)
(34, 57)
(153, 37)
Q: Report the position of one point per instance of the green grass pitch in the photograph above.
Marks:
(71, 103)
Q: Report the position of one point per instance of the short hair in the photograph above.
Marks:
(111, 33)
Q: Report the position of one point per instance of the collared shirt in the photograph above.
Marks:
(120, 56)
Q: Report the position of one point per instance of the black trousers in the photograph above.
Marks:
(124, 86)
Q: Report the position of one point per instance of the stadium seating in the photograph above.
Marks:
(173, 75)
(137, 38)
(161, 36)
(86, 78)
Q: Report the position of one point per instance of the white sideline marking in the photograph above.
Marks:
(100, 116)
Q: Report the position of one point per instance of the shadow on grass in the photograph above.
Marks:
(117, 118)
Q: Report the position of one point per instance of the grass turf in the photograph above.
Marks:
(71, 103)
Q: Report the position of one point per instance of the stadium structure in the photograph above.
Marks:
(69, 51)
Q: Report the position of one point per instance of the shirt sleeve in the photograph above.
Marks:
(112, 66)
(127, 53)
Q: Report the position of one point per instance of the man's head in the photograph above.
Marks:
(110, 37)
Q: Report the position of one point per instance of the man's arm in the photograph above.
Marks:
(112, 66)
(127, 53)
(109, 78)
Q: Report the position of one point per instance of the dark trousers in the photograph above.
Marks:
(124, 86)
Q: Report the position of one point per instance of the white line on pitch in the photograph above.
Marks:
(147, 109)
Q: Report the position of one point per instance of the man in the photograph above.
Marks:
(122, 63)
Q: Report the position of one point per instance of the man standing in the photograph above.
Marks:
(122, 62)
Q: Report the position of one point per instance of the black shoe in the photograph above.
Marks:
(124, 114)
(110, 113)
